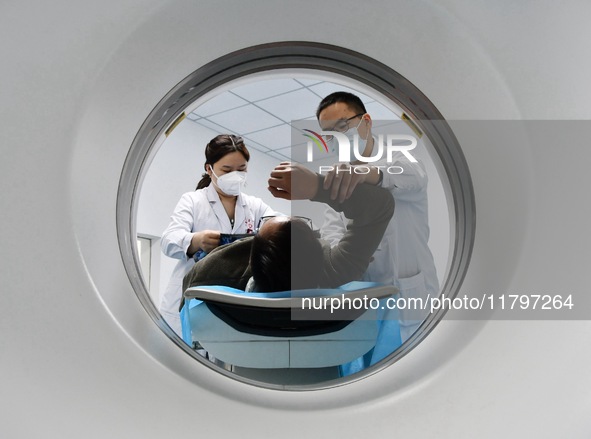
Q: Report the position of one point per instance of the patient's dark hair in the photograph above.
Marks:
(219, 147)
(289, 258)
(352, 101)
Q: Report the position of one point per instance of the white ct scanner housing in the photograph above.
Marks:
(82, 357)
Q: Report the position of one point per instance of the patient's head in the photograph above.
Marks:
(286, 255)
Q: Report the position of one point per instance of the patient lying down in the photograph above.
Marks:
(286, 254)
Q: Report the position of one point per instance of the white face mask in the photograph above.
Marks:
(353, 136)
(230, 183)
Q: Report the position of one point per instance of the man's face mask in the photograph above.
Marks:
(356, 141)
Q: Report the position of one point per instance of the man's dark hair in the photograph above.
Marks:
(288, 258)
(350, 99)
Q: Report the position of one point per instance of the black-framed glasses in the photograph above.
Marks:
(264, 219)
(342, 126)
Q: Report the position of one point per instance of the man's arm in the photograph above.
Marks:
(342, 179)
(370, 209)
(405, 179)
(293, 182)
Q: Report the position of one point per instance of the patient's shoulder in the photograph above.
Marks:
(227, 265)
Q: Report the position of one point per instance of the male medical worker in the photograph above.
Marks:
(403, 257)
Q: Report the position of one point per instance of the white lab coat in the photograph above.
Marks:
(403, 258)
(201, 210)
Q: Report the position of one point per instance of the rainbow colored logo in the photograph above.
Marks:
(317, 139)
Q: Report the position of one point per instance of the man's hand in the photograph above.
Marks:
(342, 181)
(293, 182)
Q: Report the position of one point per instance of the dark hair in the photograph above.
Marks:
(352, 101)
(289, 258)
(219, 147)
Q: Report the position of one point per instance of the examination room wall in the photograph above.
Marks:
(175, 169)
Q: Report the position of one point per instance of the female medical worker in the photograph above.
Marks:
(217, 206)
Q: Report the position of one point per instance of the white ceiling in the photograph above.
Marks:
(261, 112)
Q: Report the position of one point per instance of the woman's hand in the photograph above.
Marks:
(205, 240)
